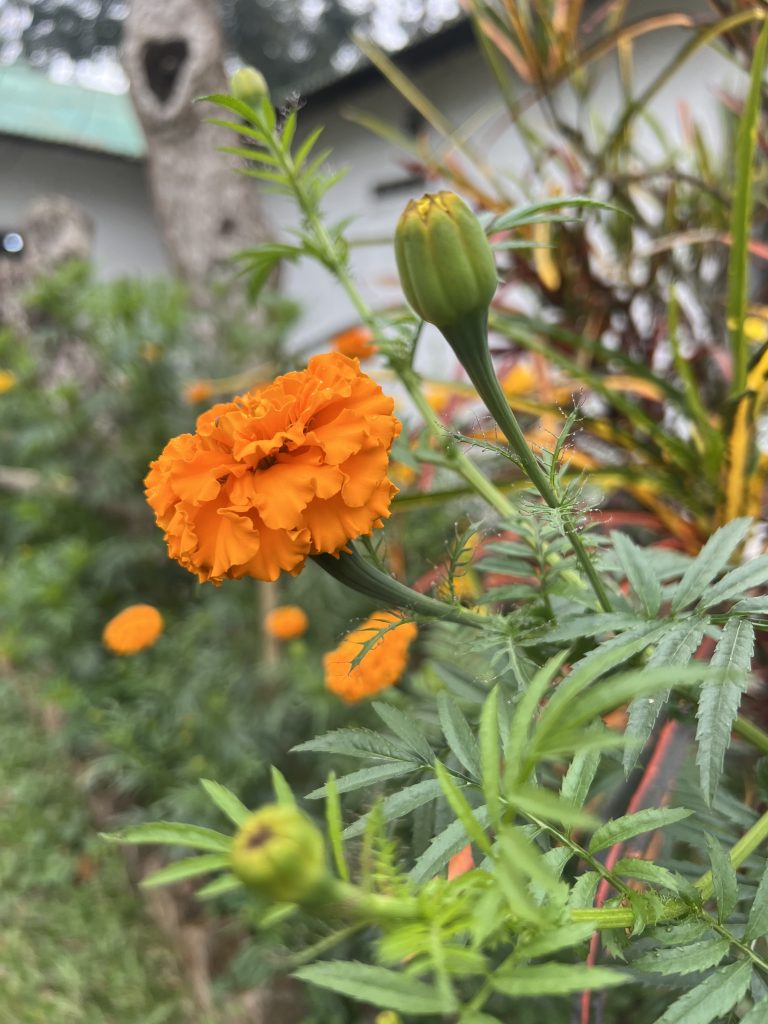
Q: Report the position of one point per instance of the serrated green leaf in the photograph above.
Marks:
(368, 777)
(679, 934)
(699, 956)
(724, 881)
(334, 825)
(556, 979)
(458, 734)
(757, 924)
(378, 986)
(444, 845)
(584, 890)
(629, 825)
(580, 776)
(461, 808)
(524, 715)
(283, 792)
(219, 887)
(398, 804)
(751, 606)
(406, 730)
(710, 562)
(539, 803)
(642, 579)
(490, 755)
(356, 743)
(720, 699)
(676, 647)
(734, 584)
(172, 833)
(646, 871)
(758, 1014)
(189, 867)
(229, 804)
(713, 998)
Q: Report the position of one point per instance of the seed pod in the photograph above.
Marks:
(280, 854)
(445, 262)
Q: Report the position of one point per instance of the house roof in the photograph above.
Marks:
(32, 106)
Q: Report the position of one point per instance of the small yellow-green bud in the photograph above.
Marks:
(445, 262)
(388, 1017)
(249, 85)
(280, 854)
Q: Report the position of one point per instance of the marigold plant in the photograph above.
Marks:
(380, 667)
(286, 622)
(293, 469)
(133, 629)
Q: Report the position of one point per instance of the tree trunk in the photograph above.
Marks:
(173, 52)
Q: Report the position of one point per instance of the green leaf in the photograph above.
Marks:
(529, 861)
(461, 808)
(753, 573)
(713, 998)
(490, 755)
(187, 868)
(580, 776)
(646, 871)
(724, 881)
(539, 803)
(553, 941)
(283, 792)
(620, 829)
(219, 887)
(444, 845)
(405, 729)
(699, 956)
(305, 148)
(556, 979)
(458, 734)
(720, 699)
(378, 986)
(471, 1017)
(642, 579)
(741, 216)
(757, 925)
(757, 1015)
(334, 825)
(525, 713)
(524, 214)
(226, 801)
(368, 777)
(399, 804)
(172, 833)
(356, 743)
(710, 562)
(676, 647)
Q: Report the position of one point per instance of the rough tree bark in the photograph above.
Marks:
(172, 53)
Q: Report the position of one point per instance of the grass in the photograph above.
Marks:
(74, 946)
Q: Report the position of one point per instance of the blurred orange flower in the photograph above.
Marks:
(357, 343)
(286, 622)
(295, 468)
(7, 380)
(381, 667)
(197, 391)
(134, 628)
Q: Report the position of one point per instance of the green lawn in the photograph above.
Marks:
(74, 945)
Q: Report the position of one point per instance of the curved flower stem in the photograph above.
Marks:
(469, 340)
(351, 569)
(752, 734)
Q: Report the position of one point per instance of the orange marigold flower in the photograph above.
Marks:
(381, 667)
(133, 629)
(295, 468)
(197, 391)
(357, 343)
(7, 380)
(286, 622)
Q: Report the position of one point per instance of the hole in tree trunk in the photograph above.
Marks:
(163, 62)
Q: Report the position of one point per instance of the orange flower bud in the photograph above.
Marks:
(286, 622)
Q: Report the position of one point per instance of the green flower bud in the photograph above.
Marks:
(445, 262)
(388, 1017)
(280, 854)
(249, 85)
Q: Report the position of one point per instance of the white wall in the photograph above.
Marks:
(111, 191)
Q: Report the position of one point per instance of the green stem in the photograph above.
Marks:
(469, 340)
(741, 850)
(752, 734)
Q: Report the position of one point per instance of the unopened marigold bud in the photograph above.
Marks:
(444, 259)
(249, 85)
(388, 1017)
(280, 854)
